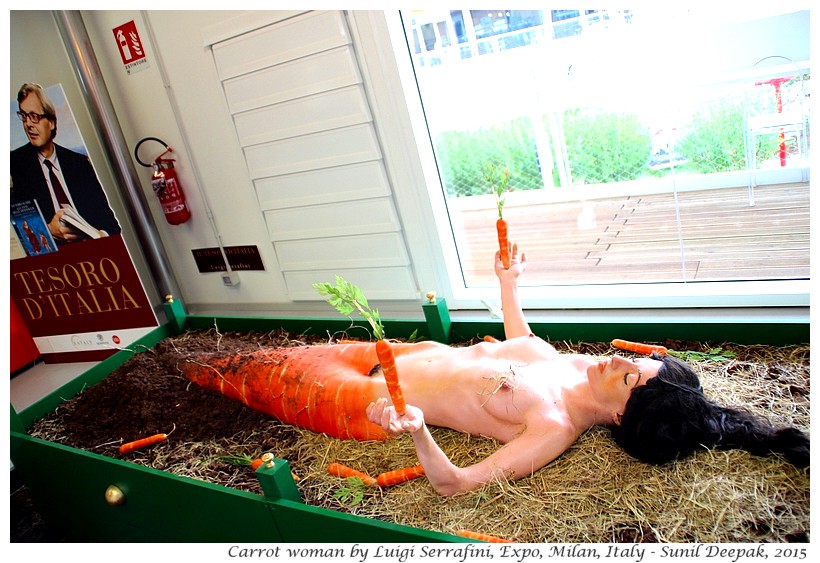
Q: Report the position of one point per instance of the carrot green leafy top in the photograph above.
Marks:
(498, 180)
(347, 299)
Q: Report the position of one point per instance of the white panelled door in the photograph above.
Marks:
(305, 125)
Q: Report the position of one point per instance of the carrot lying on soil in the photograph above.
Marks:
(387, 359)
(482, 537)
(129, 447)
(256, 464)
(398, 476)
(340, 470)
(638, 347)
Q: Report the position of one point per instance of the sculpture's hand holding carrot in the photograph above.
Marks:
(382, 413)
(517, 264)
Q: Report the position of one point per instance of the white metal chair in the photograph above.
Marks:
(776, 105)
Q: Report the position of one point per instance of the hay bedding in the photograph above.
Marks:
(592, 493)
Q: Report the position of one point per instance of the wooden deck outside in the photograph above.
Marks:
(636, 238)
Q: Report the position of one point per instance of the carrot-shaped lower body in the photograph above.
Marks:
(387, 359)
(503, 241)
(481, 537)
(340, 470)
(322, 388)
(397, 476)
(639, 348)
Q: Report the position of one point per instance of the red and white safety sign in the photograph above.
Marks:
(130, 46)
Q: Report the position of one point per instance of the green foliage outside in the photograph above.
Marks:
(713, 140)
(606, 147)
(602, 147)
(464, 154)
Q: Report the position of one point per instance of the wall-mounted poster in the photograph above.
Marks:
(74, 283)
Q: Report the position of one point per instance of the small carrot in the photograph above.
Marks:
(498, 185)
(391, 376)
(503, 242)
(491, 339)
(639, 348)
(481, 537)
(129, 447)
(247, 460)
(397, 476)
(340, 470)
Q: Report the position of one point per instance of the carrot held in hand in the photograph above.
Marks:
(129, 447)
(398, 476)
(503, 242)
(481, 537)
(348, 298)
(638, 347)
(498, 185)
(391, 375)
(340, 470)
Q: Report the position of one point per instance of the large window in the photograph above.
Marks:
(648, 148)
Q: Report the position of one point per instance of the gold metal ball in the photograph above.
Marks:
(114, 496)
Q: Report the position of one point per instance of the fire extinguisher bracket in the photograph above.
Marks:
(139, 144)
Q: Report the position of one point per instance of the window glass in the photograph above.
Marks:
(642, 147)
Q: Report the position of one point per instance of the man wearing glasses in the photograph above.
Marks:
(61, 180)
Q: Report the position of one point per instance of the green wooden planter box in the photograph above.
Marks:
(68, 486)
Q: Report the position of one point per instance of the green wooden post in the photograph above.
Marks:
(175, 312)
(276, 479)
(438, 318)
(16, 424)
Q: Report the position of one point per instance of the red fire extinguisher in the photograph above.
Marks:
(166, 185)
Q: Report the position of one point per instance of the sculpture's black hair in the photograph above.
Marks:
(670, 418)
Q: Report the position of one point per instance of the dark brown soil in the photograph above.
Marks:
(147, 397)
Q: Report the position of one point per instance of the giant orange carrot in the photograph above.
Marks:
(322, 388)
(391, 375)
(481, 537)
(639, 348)
(390, 478)
(326, 389)
(340, 470)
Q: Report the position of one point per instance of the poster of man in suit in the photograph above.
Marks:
(72, 276)
(60, 179)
